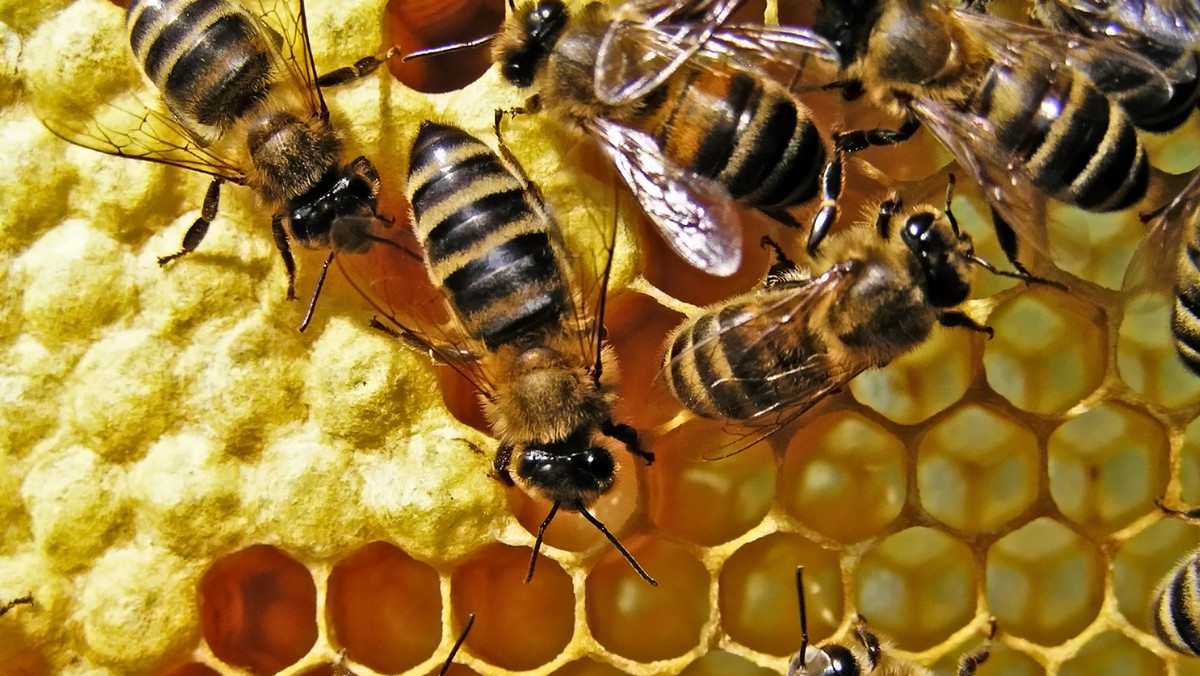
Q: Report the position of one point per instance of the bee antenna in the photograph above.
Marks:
(950, 214)
(447, 49)
(1021, 275)
(537, 542)
(803, 614)
(628, 557)
(457, 644)
(312, 303)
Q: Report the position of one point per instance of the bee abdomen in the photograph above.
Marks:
(485, 242)
(1177, 608)
(1182, 68)
(206, 57)
(752, 138)
(1185, 319)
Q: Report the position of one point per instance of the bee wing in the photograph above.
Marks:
(392, 276)
(286, 26)
(638, 55)
(1153, 266)
(1166, 22)
(1002, 181)
(134, 129)
(1110, 66)
(696, 215)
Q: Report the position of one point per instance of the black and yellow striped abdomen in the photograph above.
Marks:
(1077, 145)
(734, 363)
(208, 58)
(1185, 318)
(1177, 607)
(486, 240)
(749, 134)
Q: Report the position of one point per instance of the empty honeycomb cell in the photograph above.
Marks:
(384, 608)
(586, 667)
(644, 402)
(76, 506)
(490, 585)
(1189, 464)
(258, 609)
(977, 469)
(184, 490)
(683, 484)
(325, 669)
(626, 615)
(758, 599)
(1093, 246)
(1112, 654)
(422, 24)
(719, 663)
(917, 610)
(193, 669)
(1002, 661)
(1044, 582)
(1047, 354)
(844, 476)
(922, 382)
(1107, 466)
(668, 272)
(1142, 563)
(1146, 355)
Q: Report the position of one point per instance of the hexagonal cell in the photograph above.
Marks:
(1143, 561)
(1189, 464)
(1048, 353)
(384, 608)
(490, 585)
(1111, 654)
(258, 609)
(720, 663)
(1093, 246)
(917, 586)
(1107, 466)
(1146, 356)
(1002, 660)
(586, 667)
(644, 623)
(757, 593)
(631, 318)
(683, 486)
(844, 476)
(922, 382)
(1044, 582)
(977, 469)
(423, 24)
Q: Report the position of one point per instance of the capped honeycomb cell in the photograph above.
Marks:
(1146, 355)
(384, 608)
(1110, 654)
(1143, 562)
(1046, 354)
(757, 593)
(258, 609)
(1044, 582)
(977, 469)
(844, 476)
(917, 611)
(1107, 466)
(922, 382)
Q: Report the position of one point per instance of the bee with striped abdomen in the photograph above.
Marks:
(1021, 108)
(833, 659)
(515, 321)
(696, 111)
(1176, 606)
(766, 357)
(243, 103)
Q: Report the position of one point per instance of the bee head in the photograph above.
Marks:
(943, 255)
(522, 49)
(572, 472)
(847, 24)
(830, 660)
(339, 211)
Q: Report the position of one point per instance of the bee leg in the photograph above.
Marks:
(831, 189)
(361, 68)
(285, 250)
(971, 661)
(861, 139)
(627, 435)
(195, 234)
(870, 641)
(506, 154)
(956, 319)
(852, 90)
(1189, 514)
(887, 210)
(312, 303)
(24, 600)
(500, 464)
(783, 269)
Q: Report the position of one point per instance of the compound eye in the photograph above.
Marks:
(841, 662)
(594, 462)
(917, 228)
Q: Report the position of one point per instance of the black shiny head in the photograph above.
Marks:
(847, 24)
(338, 212)
(841, 661)
(541, 27)
(571, 472)
(939, 257)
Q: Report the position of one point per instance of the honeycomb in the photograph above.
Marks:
(192, 487)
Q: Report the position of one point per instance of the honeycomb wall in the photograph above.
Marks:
(191, 487)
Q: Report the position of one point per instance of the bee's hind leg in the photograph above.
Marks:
(360, 68)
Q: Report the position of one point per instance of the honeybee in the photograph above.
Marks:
(1022, 109)
(766, 357)
(696, 112)
(1167, 32)
(833, 659)
(24, 600)
(243, 103)
(1177, 601)
(514, 321)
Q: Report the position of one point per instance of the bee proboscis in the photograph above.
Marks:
(514, 317)
(240, 100)
(697, 112)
